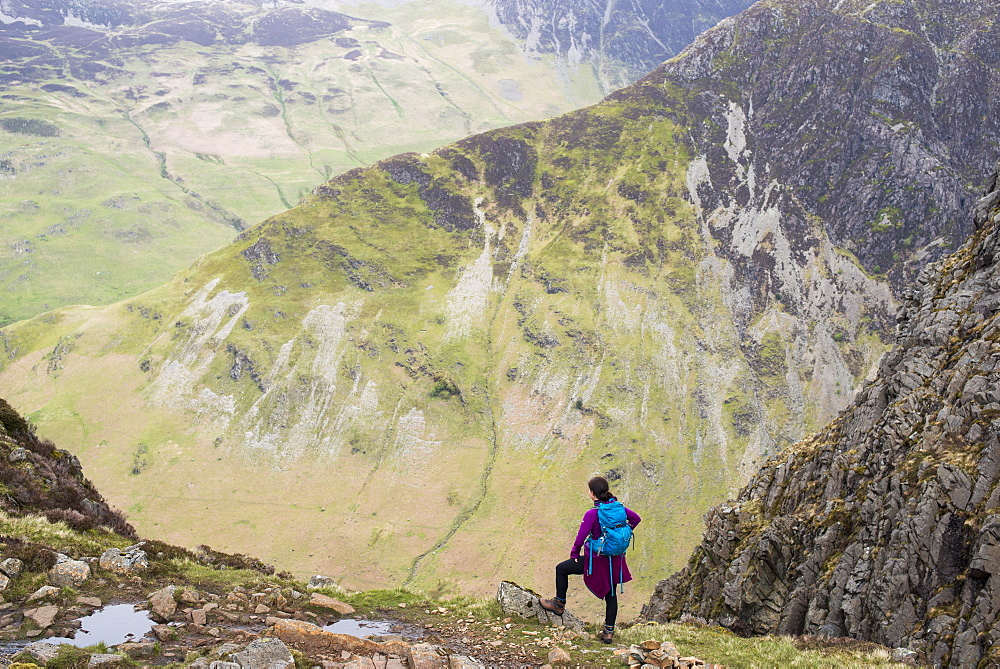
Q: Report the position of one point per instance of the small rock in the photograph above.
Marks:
(43, 615)
(42, 651)
(18, 455)
(330, 603)
(650, 645)
(11, 567)
(318, 581)
(226, 649)
(138, 649)
(221, 664)
(42, 592)
(670, 649)
(199, 617)
(261, 609)
(459, 662)
(162, 602)
(425, 656)
(69, 573)
(127, 562)
(269, 653)
(164, 632)
(4, 582)
(559, 657)
(106, 660)
(90, 601)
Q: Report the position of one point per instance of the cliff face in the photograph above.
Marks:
(622, 41)
(859, 108)
(886, 525)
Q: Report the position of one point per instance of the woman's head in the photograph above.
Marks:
(599, 488)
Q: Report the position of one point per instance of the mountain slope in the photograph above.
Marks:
(893, 507)
(438, 343)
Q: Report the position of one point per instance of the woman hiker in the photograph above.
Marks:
(601, 573)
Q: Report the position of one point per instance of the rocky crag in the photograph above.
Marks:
(885, 525)
(621, 41)
(644, 288)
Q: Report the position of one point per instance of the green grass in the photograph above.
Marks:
(720, 646)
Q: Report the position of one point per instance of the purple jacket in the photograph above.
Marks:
(604, 577)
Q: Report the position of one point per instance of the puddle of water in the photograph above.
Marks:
(360, 628)
(112, 625)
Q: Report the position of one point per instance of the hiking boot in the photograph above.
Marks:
(555, 605)
(606, 634)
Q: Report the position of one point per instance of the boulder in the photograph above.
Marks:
(106, 661)
(18, 455)
(41, 651)
(138, 649)
(521, 602)
(128, 562)
(425, 656)
(69, 573)
(4, 582)
(164, 632)
(43, 615)
(317, 582)
(340, 607)
(11, 567)
(43, 592)
(162, 602)
(222, 664)
(264, 654)
(454, 662)
(559, 657)
(309, 636)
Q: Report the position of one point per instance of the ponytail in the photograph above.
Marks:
(599, 486)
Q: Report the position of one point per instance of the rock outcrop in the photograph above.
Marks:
(885, 526)
(524, 603)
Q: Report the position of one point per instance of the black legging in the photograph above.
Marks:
(575, 567)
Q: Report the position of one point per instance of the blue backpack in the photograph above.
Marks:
(616, 534)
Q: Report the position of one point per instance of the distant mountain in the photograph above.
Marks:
(441, 343)
(620, 40)
(884, 525)
(135, 136)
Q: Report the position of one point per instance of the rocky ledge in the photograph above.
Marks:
(886, 525)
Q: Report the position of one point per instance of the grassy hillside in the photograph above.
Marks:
(423, 363)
